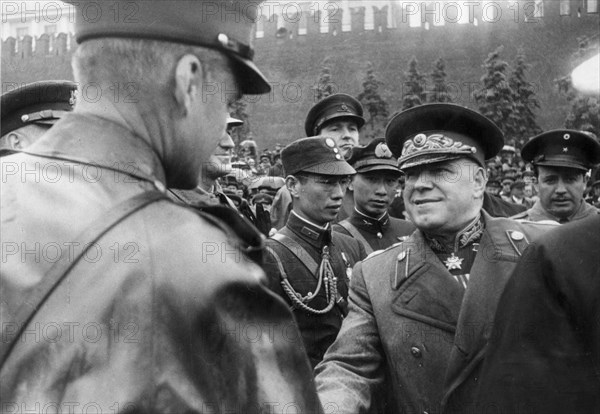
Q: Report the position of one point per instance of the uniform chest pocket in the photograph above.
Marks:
(430, 297)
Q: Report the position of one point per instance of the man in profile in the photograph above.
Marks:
(30, 110)
(144, 305)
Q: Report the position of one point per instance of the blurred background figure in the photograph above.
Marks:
(29, 111)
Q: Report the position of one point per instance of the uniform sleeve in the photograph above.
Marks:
(352, 367)
(537, 360)
(241, 353)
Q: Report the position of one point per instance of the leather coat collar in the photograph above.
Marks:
(100, 143)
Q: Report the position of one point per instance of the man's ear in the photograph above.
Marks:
(14, 141)
(293, 184)
(479, 180)
(188, 75)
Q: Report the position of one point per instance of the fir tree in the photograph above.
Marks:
(439, 92)
(374, 105)
(584, 111)
(325, 85)
(525, 101)
(495, 98)
(413, 92)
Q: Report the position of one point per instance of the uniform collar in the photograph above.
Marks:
(312, 233)
(368, 223)
(470, 234)
(539, 213)
(96, 141)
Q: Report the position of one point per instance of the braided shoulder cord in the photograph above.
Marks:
(297, 299)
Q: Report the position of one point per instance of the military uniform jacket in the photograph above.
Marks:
(544, 355)
(538, 213)
(411, 321)
(318, 331)
(375, 234)
(155, 316)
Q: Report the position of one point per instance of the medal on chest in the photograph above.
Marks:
(453, 262)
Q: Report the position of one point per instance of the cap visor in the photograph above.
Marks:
(249, 77)
(383, 168)
(562, 164)
(331, 168)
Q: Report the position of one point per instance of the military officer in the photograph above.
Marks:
(306, 263)
(30, 110)
(338, 116)
(419, 310)
(561, 160)
(113, 296)
(208, 191)
(373, 189)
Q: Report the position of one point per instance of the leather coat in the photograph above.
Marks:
(163, 314)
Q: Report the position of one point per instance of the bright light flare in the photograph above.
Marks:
(586, 77)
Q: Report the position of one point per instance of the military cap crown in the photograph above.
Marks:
(563, 148)
(38, 102)
(317, 155)
(227, 26)
(438, 132)
(376, 156)
(334, 106)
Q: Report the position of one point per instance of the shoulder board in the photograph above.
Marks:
(375, 253)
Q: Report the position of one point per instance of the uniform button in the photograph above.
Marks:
(160, 186)
(416, 352)
(517, 236)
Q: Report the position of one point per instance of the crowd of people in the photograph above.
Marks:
(145, 268)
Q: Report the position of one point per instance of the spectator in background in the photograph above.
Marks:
(517, 195)
(340, 117)
(277, 169)
(562, 159)
(29, 111)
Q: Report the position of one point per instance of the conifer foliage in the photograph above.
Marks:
(439, 91)
(413, 89)
(374, 105)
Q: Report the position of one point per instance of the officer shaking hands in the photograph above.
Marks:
(373, 188)
(307, 264)
(418, 310)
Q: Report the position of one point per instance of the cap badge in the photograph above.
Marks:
(435, 143)
(567, 136)
(566, 149)
(344, 108)
(330, 143)
(73, 98)
(382, 151)
(420, 140)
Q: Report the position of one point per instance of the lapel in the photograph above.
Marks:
(422, 287)
(499, 250)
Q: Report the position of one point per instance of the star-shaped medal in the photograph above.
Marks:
(453, 262)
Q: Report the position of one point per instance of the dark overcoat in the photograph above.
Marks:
(544, 356)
